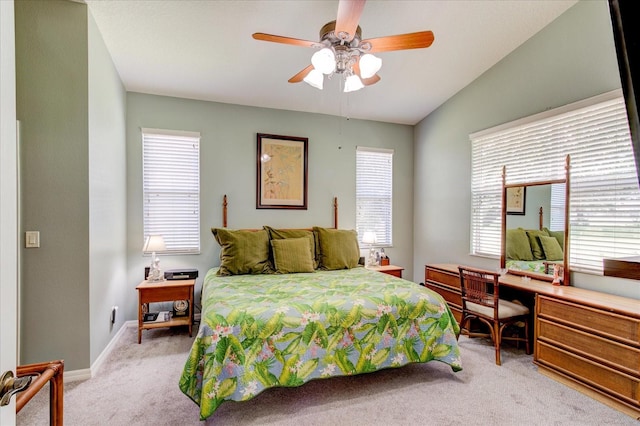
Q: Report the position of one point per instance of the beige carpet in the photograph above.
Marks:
(138, 385)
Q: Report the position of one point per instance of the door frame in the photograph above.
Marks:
(8, 203)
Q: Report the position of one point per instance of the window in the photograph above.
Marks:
(604, 195)
(374, 183)
(171, 188)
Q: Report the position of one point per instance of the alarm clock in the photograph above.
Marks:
(180, 308)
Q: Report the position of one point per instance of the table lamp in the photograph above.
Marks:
(153, 244)
(370, 238)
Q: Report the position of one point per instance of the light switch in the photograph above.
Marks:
(32, 239)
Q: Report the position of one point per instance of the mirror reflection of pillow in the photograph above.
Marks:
(517, 245)
(559, 235)
(536, 248)
(551, 248)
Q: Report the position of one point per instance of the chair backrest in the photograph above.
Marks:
(479, 286)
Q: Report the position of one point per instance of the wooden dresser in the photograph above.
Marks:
(444, 279)
(585, 338)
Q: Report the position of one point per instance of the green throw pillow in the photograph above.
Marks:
(559, 235)
(518, 247)
(536, 248)
(243, 252)
(292, 255)
(551, 248)
(279, 234)
(338, 248)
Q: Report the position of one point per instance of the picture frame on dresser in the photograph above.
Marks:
(282, 172)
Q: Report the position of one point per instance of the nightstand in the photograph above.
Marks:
(396, 271)
(165, 291)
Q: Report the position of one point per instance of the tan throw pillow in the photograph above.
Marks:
(243, 252)
(292, 255)
(279, 234)
(338, 248)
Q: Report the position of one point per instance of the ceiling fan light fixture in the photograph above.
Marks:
(315, 79)
(352, 83)
(369, 65)
(324, 60)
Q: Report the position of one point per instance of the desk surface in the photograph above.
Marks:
(609, 302)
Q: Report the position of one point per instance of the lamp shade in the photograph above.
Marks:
(353, 83)
(369, 65)
(324, 60)
(315, 79)
(154, 243)
(369, 237)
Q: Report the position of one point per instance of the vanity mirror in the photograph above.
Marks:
(535, 228)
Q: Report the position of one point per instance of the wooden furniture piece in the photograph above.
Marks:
(625, 267)
(444, 279)
(163, 292)
(394, 270)
(481, 301)
(51, 372)
(586, 339)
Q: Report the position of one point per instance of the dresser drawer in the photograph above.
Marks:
(616, 383)
(442, 277)
(602, 350)
(452, 297)
(589, 319)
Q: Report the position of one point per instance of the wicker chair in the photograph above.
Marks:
(481, 301)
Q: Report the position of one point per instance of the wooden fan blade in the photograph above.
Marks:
(401, 42)
(301, 75)
(349, 12)
(284, 40)
(371, 80)
(366, 81)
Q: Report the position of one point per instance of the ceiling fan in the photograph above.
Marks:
(343, 51)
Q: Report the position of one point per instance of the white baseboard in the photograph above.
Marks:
(87, 373)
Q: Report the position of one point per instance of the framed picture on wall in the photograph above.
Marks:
(282, 172)
(516, 198)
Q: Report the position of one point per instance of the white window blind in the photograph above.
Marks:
(171, 188)
(374, 197)
(604, 217)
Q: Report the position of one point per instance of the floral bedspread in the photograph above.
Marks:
(262, 331)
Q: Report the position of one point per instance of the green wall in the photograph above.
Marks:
(51, 67)
(571, 59)
(107, 195)
(70, 104)
(228, 166)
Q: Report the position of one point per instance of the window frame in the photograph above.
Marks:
(176, 184)
(382, 185)
(595, 133)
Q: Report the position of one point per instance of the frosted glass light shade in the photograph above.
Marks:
(314, 78)
(353, 83)
(324, 60)
(369, 65)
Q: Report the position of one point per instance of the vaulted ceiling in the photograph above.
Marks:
(204, 50)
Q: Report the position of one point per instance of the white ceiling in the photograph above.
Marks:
(204, 50)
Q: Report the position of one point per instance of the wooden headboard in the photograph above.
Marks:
(225, 204)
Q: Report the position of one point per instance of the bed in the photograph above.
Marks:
(284, 325)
